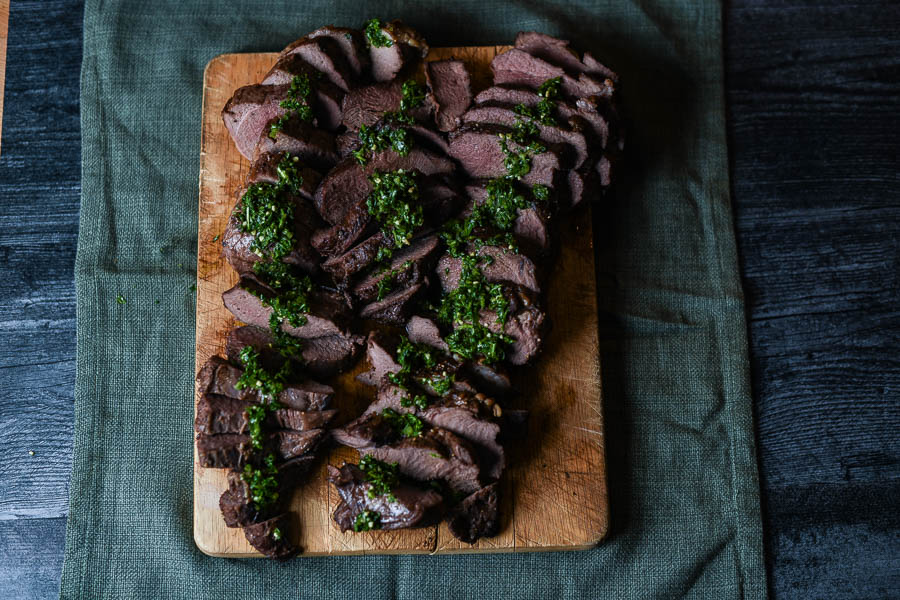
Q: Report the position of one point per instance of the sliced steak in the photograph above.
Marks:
(573, 147)
(558, 52)
(352, 44)
(422, 330)
(406, 50)
(310, 144)
(329, 313)
(532, 224)
(380, 354)
(525, 327)
(347, 184)
(410, 506)
(271, 537)
(472, 416)
(581, 116)
(491, 378)
(236, 504)
(504, 266)
(477, 148)
(233, 450)
(220, 414)
(218, 378)
(367, 104)
(236, 244)
(408, 266)
(249, 110)
(394, 309)
(356, 223)
(366, 432)
(328, 355)
(323, 54)
(436, 454)
(264, 169)
(451, 89)
(357, 259)
(517, 67)
(476, 516)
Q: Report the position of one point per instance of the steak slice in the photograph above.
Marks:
(504, 266)
(218, 377)
(573, 148)
(251, 109)
(236, 244)
(558, 52)
(581, 116)
(436, 454)
(517, 67)
(408, 266)
(352, 44)
(357, 259)
(233, 450)
(451, 89)
(356, 223)
(322, 54)
(477, 148)
(525, 327)
(235, 502)
(394, 309)
(380, 354)
(469, 415)
(329, 313)
(476, 516)
(365, 432)
(410, 506)
(310, 144)
(347, 184)
(328, 355)
(220, 414)
(532, 224)
(422, 330)
(264, 169)
(406, 50)
(271, 537)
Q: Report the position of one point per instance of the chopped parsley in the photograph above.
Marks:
(366, 521)
(276, 534)
(420, 401)
(296, 104)
(412, 95)
(405, 424)
(394, 202)
(267, 212)
(383, 477)
(375, 35)
(269, 385)
(120, 299)
(376, 139)
(262, 482)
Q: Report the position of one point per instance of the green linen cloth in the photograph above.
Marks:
(682, 469)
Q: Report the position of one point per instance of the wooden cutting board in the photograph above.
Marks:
(553, 494)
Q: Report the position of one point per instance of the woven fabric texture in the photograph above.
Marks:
(682, 466)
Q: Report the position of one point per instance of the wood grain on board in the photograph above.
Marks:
(554, 494)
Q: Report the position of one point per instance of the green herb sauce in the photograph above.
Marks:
(262, 482)
(394, 202)
(296, 104)
(366, 521)
(386, 283)
(405, 424)
(376, 36)
(374, 140)
(383, 477)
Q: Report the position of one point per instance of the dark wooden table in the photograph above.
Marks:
(813, 95)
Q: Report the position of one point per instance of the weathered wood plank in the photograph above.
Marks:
(31, 558)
